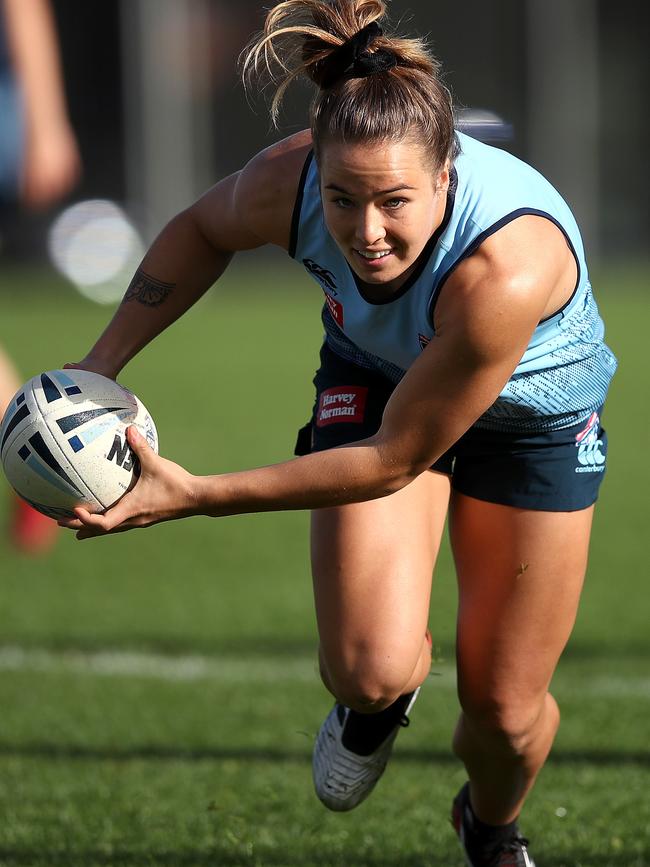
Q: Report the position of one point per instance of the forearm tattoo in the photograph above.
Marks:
(147, 290)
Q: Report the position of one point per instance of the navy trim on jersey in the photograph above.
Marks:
(575, 288)
(424, 256)
(476, 243)
(297, 208)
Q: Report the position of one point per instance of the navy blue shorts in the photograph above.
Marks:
(552, 471)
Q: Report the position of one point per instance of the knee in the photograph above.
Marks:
(366, 692)
(510, 724)
(364, 684)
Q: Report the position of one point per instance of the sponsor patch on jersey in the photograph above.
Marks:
(335, 308)
(345, 403)
(590, 455)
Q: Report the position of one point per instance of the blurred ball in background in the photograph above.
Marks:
(95, 246)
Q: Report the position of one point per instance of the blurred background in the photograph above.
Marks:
(159, 691)
(159, 112)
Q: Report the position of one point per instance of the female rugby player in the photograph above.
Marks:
(463, 373)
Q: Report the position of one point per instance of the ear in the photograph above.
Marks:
(442, 181)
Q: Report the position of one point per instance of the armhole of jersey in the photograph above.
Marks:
(476, 243)
(297, 208)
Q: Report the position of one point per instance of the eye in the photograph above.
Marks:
(342, 202)
(394, 204)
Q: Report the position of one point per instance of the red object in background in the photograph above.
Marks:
(30, 531)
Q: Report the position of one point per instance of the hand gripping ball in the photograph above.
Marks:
(63, 441)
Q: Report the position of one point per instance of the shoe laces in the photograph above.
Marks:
(510, 853)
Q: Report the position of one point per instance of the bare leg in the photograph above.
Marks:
(372, 565)
(520, 574)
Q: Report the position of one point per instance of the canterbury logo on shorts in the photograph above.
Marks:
(590, 455)
(344, 404)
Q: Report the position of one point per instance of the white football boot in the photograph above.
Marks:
(352, 749)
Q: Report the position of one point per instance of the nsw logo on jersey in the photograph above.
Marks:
(590, 454)
(346, 403)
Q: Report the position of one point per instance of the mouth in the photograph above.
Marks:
(373, 256)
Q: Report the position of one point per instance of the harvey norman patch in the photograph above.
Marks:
(342, 404)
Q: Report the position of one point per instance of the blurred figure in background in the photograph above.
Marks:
(39, 165)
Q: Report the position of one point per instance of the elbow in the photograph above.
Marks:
(399, 473)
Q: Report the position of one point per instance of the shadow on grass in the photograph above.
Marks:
(214, 857)
(603, 859)
(218, 857)
(403, 755)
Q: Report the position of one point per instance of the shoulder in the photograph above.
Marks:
(525, 252)
(515, 278)
(267, 187)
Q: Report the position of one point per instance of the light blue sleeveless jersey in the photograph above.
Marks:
(566, 369)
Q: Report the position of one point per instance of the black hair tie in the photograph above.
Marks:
(353, 60)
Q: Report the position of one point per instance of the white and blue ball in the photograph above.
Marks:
(63, 441)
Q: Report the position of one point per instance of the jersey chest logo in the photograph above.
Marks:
(326, 279)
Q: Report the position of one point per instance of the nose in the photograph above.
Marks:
(370, 227)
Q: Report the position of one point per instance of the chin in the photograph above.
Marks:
(378, 275)
(384, 278)
(378, 279)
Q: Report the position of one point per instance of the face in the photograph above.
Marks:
(382, 202)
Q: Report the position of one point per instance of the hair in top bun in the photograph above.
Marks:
(370, 85)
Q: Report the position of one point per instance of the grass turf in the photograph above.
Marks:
(194, 749)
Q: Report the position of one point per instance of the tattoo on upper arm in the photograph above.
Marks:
(147, 290)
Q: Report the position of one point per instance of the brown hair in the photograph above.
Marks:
(398, 98)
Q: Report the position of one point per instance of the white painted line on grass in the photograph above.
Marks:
(110, 663)
(301, 668)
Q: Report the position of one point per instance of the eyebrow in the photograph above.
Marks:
(338, 189)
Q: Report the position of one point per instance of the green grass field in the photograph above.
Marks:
(158, 690)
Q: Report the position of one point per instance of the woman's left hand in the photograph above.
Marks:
(164, 491)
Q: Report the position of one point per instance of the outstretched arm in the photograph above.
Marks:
(484, 321)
